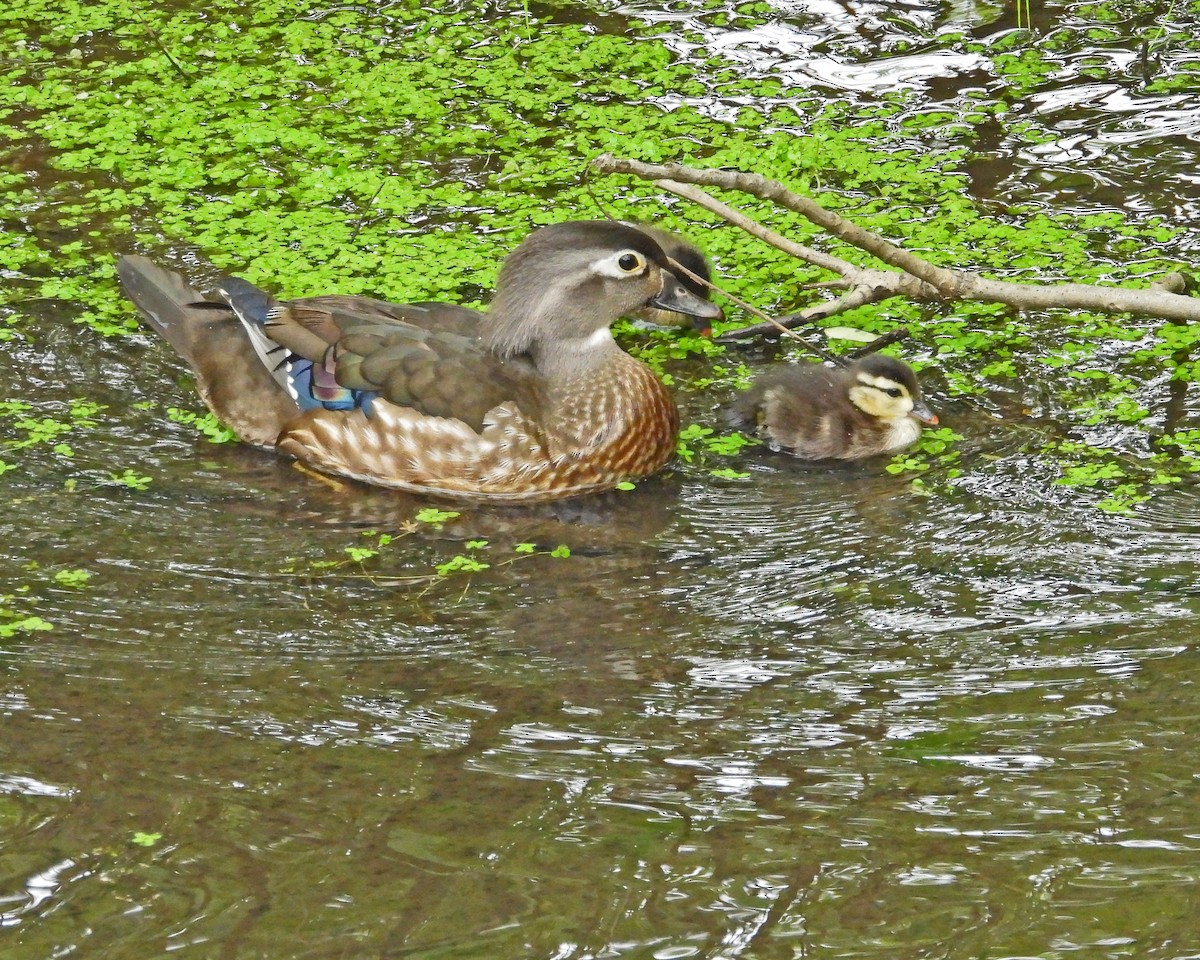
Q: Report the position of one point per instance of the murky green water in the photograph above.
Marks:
(809, 714)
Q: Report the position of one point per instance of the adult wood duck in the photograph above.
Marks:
(817, 412)
(532, 401)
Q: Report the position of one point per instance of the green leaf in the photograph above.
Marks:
(10, 628)
(145, 839)
(433, 515)
(73, 578)
(132, 480)
(850, 333)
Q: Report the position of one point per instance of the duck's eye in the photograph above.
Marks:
(630, 262)
(893, 391)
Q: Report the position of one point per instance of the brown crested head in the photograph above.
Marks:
(567, 283)
(691, 270)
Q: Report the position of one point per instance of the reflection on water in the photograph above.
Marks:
(808, 713)
(813, 713)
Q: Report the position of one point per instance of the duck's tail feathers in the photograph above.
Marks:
(233, 373)
(170, 305)
(252, 305)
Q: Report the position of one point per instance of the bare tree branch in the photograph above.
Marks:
(865, 285)
(1171, 282)
(918, 278)
(753, 227)
(857, 297)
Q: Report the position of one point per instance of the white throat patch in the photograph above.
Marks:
(598, 339)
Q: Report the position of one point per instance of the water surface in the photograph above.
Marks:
(808, 713)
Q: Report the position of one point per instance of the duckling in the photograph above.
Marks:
(685, 253)
(818, 412)
(532, 401)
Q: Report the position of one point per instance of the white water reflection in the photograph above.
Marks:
(785, 51)
(32, 787)
(894, 73)
(38, 889)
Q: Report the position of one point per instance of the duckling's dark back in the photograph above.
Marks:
(799, 407)
(808, 410)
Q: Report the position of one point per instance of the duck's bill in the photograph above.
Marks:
(923, 413)
(703, 325)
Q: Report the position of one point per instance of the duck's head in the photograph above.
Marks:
(886, 388)
(567, 283)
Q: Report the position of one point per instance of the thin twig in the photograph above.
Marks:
(858, 297)
(754, 228)
(362, 219)
(768, 325)
(893, 336)
(767, 322)
(585, 180)
(161, 46)
(776, 192)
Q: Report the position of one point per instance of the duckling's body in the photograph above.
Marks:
(816, 412)
(533, 400)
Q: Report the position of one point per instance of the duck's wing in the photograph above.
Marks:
(344, 352)
(439, 317)
(260, 363)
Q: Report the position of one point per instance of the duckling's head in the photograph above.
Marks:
(886, 388)
(566, 284)
(694, 265)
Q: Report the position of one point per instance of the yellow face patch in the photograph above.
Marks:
(881, 397)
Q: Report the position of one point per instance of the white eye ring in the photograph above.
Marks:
(623, 265)
(630, 262)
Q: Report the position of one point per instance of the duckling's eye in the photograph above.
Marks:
(893, 391)
(630, 262)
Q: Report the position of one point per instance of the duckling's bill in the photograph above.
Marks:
(677, 298)
(921, 412)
